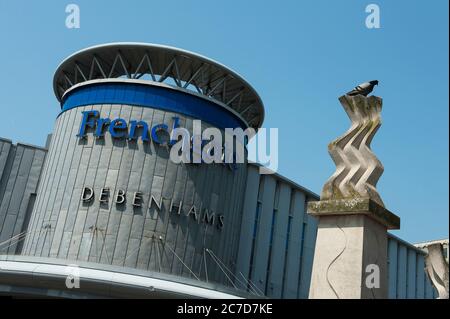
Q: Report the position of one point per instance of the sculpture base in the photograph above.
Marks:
(350, 258)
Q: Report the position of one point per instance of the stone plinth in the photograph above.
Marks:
(350, 259)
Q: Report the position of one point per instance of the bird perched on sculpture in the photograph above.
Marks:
(363, 89)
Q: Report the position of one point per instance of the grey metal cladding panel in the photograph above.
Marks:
(307, 255)
(36, 174)
(429, 290)
(73, 208)
(21, 180)
(31, 186)
(147, 172)
(58, 234)
(4, 178)
(10, 185)
(66, 182)
(412, 272)
(144, 252)
(55, 171)
(218, 246)
(279, 240)
(248, 220)
(103, 163)
(294, 248)
(123, 236)
(65, 243)
(77, 235)
(125, 169)
(64, 160)
(420, 279)
(85, 246)
(83, 167)
(5, 148)
(189, 223)
(132, 252)
(127, 152)
(138, 159)
(37, 167)
(401, 271)
(202, 202)
(116, 157)
(170, 180)
(239, 215)
(113, 223)
(231, 212)
(177, 266)
(15, 210)
(96, 247)
(182, 223)
(231, 254)
(39, 211)
(8, 227)
(262, 241)
(108, 249)
(392, 268)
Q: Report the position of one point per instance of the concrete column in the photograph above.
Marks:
(350, 259)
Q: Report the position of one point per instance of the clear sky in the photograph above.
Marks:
(299, 55)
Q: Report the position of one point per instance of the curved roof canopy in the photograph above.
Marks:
(178, 68)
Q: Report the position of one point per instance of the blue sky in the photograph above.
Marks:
(299, 55)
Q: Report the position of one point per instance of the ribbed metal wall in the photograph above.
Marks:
(407, 275)
(20, 169)
(277, 237)
(63, 226)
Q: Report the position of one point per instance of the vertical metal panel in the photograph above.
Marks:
(248, 220)
(279, 240)
(392, 268)
(8, 155)
(8, 190)
(309, 243)
(20, 170)
(411, 287)
(262, 241)
(429, 293)
(420, 280)
(294, 247)
(402, 269)
(5, 147)
(27, 200)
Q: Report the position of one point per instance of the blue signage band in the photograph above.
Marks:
(153, 97)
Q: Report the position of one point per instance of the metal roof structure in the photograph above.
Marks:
(158, 64)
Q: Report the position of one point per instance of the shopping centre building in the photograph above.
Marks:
(103, 202)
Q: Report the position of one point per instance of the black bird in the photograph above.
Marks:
(363, 89)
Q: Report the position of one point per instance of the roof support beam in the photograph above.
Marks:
(78, 69)
(246, 109)
(217, 85)
(235, 96)
(149, 64)
(95, 62)
(119, 58)
(194, 76)
(164, 75)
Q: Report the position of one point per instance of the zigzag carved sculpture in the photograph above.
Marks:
(357, 168)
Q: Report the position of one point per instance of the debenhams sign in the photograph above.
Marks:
(206, 216)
